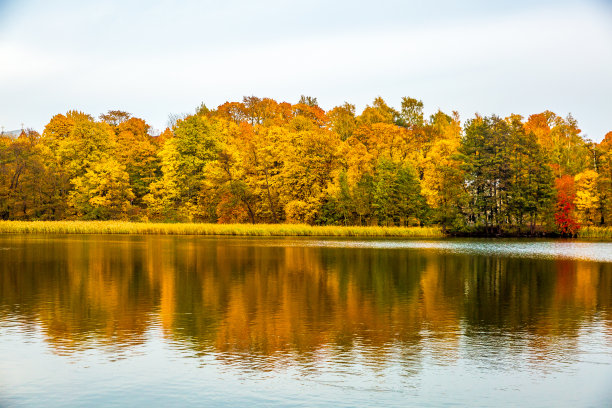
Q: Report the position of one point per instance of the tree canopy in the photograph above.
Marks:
(263, 161)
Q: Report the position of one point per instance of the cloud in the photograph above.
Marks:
(525, 61)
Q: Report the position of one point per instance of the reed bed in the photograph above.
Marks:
(595, 232)
(263, 230)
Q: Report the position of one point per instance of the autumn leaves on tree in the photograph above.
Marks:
(260, 161)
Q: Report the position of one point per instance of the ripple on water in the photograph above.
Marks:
(87, 322)
(588, 251)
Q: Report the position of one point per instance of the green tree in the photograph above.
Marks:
(396, 198)
(531, 191)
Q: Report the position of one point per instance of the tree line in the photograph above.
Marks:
(261, 161)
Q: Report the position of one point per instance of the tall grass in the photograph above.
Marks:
(595, 232)
(123, 227)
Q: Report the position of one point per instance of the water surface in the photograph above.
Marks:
(161, 321)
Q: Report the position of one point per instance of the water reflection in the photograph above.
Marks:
(261, 303)
(550, 249)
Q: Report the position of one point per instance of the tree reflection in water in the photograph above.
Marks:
(263, 303)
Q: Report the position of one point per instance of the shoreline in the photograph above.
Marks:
(263, 230)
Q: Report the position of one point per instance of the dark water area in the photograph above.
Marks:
(107, 320)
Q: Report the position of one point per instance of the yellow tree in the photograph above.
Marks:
(71, 145)
(184, 158)
(379, 112)
(587, 199)
(604, 168)
(103, 192)
(138, 153)
(561, 139)
(343, 121)
(226, 184)
(24, 189)
(308, 171)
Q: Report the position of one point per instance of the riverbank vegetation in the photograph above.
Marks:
(124, 227)
(263, 162)
(595, 232)
(151, 228)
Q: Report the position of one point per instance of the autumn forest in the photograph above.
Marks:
(261, 161)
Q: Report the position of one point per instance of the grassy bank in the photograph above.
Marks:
(120, 227)
(595, 232)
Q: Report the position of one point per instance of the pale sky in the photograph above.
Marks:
(153, 58)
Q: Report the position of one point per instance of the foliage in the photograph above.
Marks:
(262, 161)
(506, 176)
(102, 193)
(565, 217)
(595, 232)
(586, 199)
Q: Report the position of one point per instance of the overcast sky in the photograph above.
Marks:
(153, 58)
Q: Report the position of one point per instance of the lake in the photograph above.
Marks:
(110, 320)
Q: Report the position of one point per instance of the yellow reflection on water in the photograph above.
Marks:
(231, 296)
